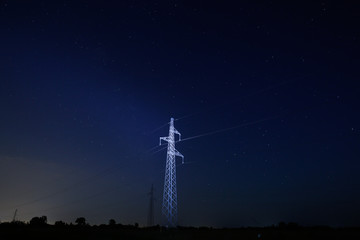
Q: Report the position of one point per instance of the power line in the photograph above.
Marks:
(82, 199)
(153, 153)
(87, 180)
(101, 193)
(153, 148)
(228, 129)
(158, 128)
(105, 171)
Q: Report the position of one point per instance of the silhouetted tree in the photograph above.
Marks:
(38, 221)
(136, 225)
(112, 222)
(81, 221)
(35, 221)
(60, 223)
(292, 225)
(17, 223)
(282, 224)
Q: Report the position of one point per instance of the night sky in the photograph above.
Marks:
(267, 95)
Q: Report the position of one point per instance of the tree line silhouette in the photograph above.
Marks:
(39, 228)
(80, 221)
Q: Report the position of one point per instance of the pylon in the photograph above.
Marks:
(169, 205)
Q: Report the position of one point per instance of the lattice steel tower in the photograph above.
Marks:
(169, 206)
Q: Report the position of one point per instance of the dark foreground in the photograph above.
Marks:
(8, 231)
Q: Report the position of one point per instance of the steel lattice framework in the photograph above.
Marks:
(169, 206)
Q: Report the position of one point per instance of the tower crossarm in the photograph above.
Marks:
(177, 132)
(177, 153)
(164, 138)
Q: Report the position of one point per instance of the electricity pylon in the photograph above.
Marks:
(14, 217)
(150, 221)
(169, 206)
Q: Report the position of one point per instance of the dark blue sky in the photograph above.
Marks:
(85, 86)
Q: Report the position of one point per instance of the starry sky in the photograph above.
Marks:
(265, 94)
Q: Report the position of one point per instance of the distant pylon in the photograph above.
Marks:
(169, 205)
(14, 217)
(150, 220)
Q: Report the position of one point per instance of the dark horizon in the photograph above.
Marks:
(39, 228)
(265, 95)
(43, 222)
